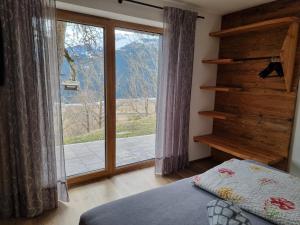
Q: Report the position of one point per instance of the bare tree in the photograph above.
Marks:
(61, 30)
(88, 69)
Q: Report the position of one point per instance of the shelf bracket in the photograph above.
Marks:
(288, 54)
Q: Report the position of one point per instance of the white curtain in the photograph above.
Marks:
(32, 171)
(174, 90)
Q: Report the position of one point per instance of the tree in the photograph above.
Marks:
(60, 35)
(86, 68)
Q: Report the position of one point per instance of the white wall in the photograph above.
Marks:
(205, 47)
(295, 145)
(112, 9)
(204, 74)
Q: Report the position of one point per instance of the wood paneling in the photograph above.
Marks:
(264, 25)
(266, 110)
(288, 54)
(254, 44)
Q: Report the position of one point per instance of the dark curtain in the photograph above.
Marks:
(174, 90)
(32, 175)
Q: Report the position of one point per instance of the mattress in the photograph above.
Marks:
(179, 203)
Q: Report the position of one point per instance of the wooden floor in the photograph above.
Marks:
(90, 195)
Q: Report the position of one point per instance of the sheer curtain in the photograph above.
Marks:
(32, 175)
(174, 90)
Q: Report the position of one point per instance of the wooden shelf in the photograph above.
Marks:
(240, 60)
(239, 150)
(255, 26)
(218, 115)
(220, 61)
(221, 88)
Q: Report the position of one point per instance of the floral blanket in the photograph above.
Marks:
(268, 193)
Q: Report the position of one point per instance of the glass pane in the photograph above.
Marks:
(136, 84)
(81, 56)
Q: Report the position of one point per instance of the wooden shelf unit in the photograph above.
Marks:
(239, 150)
(268, 24)
(286, 55)
(221, 88)
(287, 52)
(218, 115)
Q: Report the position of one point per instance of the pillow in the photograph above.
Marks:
(225, 213)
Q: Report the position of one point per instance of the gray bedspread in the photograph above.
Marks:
(179, 203)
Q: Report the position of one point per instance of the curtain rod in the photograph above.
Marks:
(149, 5)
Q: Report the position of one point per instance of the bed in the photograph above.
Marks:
(179, 203)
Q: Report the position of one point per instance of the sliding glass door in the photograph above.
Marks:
(136, 84)
(81, 59)
(108, 73)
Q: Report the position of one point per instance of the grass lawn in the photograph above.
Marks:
(136, 126)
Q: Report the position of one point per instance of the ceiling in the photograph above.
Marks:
(225, 6)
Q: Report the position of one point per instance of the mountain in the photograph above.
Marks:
(136, 69)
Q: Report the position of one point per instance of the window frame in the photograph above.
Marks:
(109, 26)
